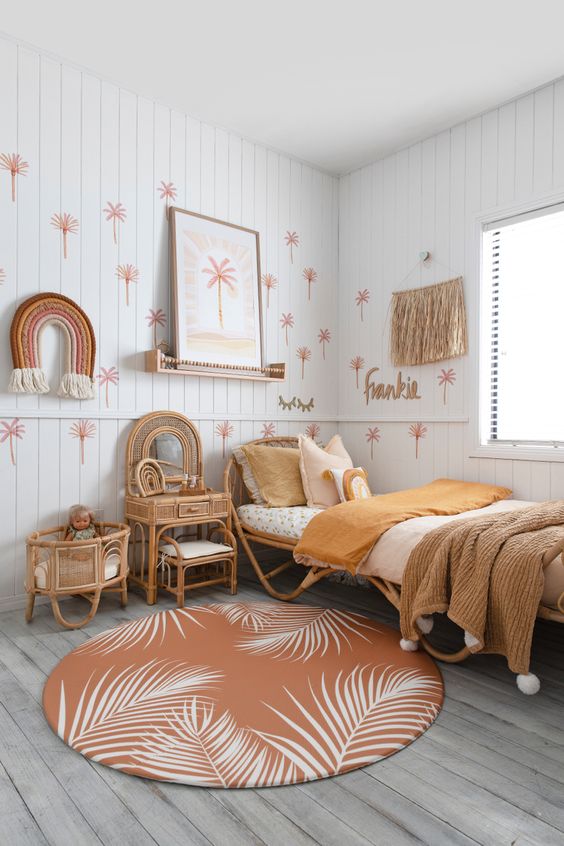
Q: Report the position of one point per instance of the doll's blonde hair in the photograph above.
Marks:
(76, 510)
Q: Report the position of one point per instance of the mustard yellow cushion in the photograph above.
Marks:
(321, 492)
(277, 474)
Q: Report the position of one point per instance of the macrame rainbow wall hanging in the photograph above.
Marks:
(30, 319)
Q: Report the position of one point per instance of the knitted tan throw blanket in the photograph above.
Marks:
(487, 574)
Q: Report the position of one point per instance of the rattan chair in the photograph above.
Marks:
(188, 563)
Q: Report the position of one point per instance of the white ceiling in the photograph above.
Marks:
(336, 84)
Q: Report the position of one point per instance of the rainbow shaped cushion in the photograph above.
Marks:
(33, 315)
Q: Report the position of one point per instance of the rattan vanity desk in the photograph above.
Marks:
(153, 515)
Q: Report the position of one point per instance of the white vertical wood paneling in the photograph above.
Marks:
(177, 398)
(89, 143)
(427, 198)
(50, 241)
(132, 315)
(93, 223)
(144, 215)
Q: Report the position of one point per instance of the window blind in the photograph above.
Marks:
(523, 349)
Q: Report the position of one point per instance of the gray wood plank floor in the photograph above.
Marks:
(489, 771)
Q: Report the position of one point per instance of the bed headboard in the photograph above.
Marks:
(232, 478)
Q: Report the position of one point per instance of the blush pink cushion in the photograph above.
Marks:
(320, 492)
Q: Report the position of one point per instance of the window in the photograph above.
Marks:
(522, 330)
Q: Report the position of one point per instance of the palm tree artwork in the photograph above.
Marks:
(68, 225)
(117, 214)
(268, 430)
(312, 431)
(82, 429)
(361, 300)
(167, 191)
(304, 354)
(221, 273)
(324, 337)
(446, 378)
(108, 377)
(129, 273)
(372, 437)
(357, 364)
(154, 319)
(14, 163)
(224, 430)
(310, 275)
(269, 281)
(417, 431)
(292, 240)
(9, 431)
(287, 322)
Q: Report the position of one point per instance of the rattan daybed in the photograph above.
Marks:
(250, 535)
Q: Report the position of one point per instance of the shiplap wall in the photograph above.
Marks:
(427, 197)
(88, 142)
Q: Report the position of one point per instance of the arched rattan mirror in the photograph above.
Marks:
(170, 439)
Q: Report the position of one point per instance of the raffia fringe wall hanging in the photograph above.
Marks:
(29, 321)
(428, 324)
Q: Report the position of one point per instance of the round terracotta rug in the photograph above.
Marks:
(243, 694)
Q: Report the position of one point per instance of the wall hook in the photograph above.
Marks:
(424, 255)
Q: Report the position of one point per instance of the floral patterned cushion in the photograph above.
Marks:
(284, 522)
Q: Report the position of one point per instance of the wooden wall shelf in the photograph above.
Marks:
(158, 362)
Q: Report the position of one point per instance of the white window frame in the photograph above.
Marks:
(481, 335)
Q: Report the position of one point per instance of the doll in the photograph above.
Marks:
(81, 524)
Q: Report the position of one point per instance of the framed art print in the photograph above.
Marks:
(216, 291)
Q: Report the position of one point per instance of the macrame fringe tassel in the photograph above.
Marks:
(428, 324)
(28, 380)
(77, 386)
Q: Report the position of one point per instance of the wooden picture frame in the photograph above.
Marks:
(216, 293)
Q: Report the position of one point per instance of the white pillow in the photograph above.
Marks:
(321, 492)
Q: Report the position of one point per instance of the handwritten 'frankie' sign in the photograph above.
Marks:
(379, 390)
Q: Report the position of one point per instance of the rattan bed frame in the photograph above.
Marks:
(234, 485)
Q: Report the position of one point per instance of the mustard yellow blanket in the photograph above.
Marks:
(343, 536)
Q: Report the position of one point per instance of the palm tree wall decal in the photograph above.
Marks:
(361, 299)
(357, 364)
(82, 429)
(224, 430)
(9, 431)
(417, 431)
(268, 430)
(310, 275)
(17, 167)
(154, 319)
(304, 354)
(446, 378)
(372, 437)
(312, 430)
(129, 273)
(116, 214)
(324, 338)
(107, 378)
(287, 322)
(167, 191)
(269, 281)
(219, 274)
(292, 240)
(67, 224)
